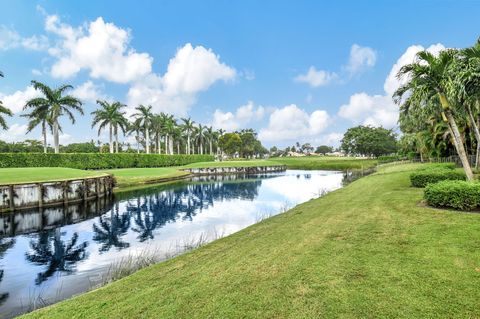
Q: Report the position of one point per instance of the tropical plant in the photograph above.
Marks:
(188, 128)
(4, 110)
(144, 117)
(427, 82)
(110, 115)
(58, 105)
(38, 116)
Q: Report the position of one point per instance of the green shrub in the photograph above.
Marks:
(447, 166)
(97, 160)
(433, 175)
(453, 194)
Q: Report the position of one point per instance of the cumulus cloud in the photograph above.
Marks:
(16, 132)
(88, 92)
(243, 116)
(361, 58)
(11, 39)
(191, 71)
(316, 78)
(379, 110)
(17, 100)
(291, 122)
(101, 48)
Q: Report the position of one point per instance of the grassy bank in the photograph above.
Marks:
(128, 177)
(245, 163)
(42, 174)
(367, 250)
(325, 162)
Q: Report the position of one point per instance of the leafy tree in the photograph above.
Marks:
(369, 141)
(230, 143)
(323, 149)
(88, 147)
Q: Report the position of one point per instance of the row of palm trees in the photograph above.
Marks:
(440, 103)
(157, 133)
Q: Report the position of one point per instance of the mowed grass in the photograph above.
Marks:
(325, 162)
(42, 174)
(134, 176)
(367, 250)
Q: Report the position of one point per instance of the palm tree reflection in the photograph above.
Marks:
(5, 244)
(111, 229)
(58, 255)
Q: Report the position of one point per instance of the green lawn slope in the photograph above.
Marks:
(367, 250)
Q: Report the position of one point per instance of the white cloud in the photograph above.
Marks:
(316, 78)
(88, 92)
(11, 39)
(16, 132)
(291, 122)
(17, 100)
(379, 110)
(99, 47)
(36, 72)
(191, 71)
(360, 59)
(243, 116)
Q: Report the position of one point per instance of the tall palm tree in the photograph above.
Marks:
(145, 116)
(169, 126)
(188, 127)
(58, 105)
(210, 136)
(110, 115)
(428, 78)
(38, 116)
(157, 130)
(136, 127)
(201, 132)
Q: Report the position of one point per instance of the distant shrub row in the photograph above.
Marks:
(433, 175)
(389, 158)
(461, 195)
(97, 160)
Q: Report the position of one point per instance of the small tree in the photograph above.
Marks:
(324, 149)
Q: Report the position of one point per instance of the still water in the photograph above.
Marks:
(50, 255)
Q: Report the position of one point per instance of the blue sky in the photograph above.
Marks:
(293, 70)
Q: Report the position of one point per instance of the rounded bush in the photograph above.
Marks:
(433, 175)
(461, 195)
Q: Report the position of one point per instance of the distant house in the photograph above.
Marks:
(295, 154)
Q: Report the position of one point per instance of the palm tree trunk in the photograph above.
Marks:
(211, 148)
(159, 146)
(188, 143)
(170, 145)
(147, 141)
(44, 134)
(116, 140)
(111, 139)
(178, 147)
(166, 143)
(138, 143)
(56, 142)
(458, 141)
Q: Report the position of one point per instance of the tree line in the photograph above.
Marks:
(158, 133)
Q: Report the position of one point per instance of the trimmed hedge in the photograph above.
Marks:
(97, 160)
(389, 158)
(461, 195)
(433, 175)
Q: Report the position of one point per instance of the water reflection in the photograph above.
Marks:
(57, 252)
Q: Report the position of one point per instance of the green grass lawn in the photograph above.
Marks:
(325, 162)
(367, 250)
(244, 163)
(42, 174)
(134, 176)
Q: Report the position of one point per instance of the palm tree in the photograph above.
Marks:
(38, 116)
(428, 78)
(188, 127)
(110, 114)
(58, 105)
(136, 127)
(157, 130)
(145, 116)
(169, 125)
(200, 136)
(210, 136)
